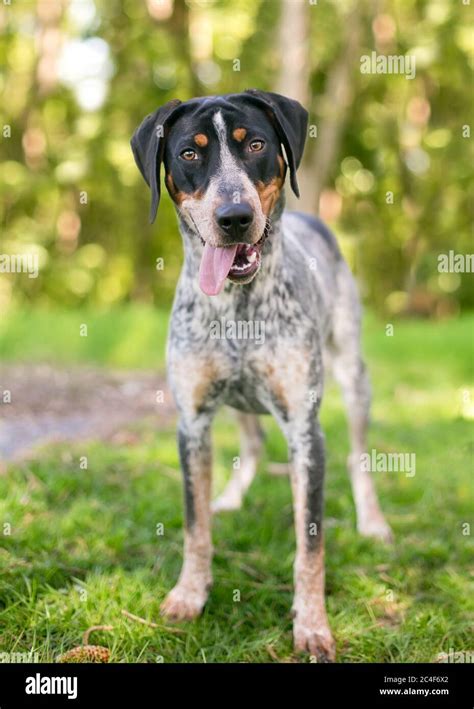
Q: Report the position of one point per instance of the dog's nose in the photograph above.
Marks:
(234, 219)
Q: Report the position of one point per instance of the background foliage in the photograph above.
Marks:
(76, 78)
(72, 194)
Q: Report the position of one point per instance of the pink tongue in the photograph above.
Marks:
(215, 265)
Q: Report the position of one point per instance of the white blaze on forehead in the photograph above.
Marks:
(219, 124)
(233, 175)
(228, 165)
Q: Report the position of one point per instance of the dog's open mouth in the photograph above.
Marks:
(246, 263)
(239, 263)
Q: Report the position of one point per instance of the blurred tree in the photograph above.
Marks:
(389, 166)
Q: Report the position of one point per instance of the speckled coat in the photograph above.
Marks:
(306, 302)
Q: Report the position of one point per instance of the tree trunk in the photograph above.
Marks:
(294, 81)
(295, 68)
(334, 109)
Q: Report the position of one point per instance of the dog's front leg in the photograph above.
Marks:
(188, 597)
(310, 626)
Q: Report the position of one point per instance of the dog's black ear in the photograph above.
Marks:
(291, 122)
(147, 146)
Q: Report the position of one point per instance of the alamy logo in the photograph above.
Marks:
(455, 263)
(20, 263)
(38, 684)
(459, 656)
(374, 462)
(388, 64)
(18, 657)
(238, 330)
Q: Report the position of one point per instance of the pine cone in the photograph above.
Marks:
(86, 653)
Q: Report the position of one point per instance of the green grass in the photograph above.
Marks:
(83, 544)
(132, 336)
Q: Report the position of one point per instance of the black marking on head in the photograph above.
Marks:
(238, 118)
(291, 122)
(262, 115)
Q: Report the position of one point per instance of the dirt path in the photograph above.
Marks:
(73, 403)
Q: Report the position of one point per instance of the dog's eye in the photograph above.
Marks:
(189, 154)
(256, 145)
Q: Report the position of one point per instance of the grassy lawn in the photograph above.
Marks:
(84, 545)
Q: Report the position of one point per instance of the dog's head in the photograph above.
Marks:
(225, 169)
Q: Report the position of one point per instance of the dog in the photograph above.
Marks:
(247, 260)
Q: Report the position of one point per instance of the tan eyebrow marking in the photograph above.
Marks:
(239, 134)
(201, 140)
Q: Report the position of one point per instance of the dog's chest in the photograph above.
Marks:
(256, 347)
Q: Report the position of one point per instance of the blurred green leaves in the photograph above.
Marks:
(71, 191)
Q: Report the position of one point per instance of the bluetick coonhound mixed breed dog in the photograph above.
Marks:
(225, 160)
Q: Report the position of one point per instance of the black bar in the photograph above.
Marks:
(442, 685)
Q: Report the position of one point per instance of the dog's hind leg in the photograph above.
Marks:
(353, 380)
(251, 440)
(350, 372)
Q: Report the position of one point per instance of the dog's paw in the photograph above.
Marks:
(183, 603)
(376, 528)
(315, 640)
